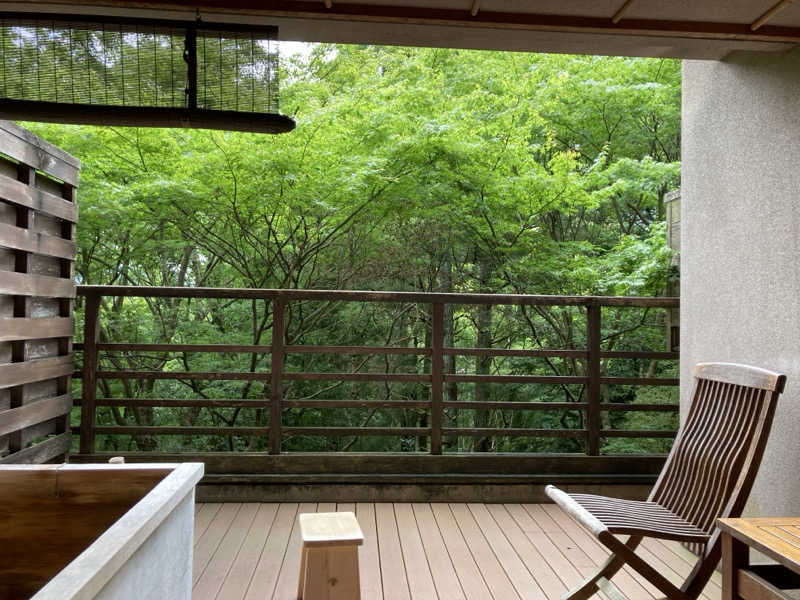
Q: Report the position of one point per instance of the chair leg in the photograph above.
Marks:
(606, 571)
(589, 587)
(626, 554)
(704, 567)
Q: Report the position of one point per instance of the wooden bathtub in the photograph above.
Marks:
(97, 531)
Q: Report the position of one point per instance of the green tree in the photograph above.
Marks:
(410, 169)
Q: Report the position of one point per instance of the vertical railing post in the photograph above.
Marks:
(593, 333)
(89, 379)
(276, 374)
(437, 376)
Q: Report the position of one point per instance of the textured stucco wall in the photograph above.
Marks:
(740, 259)
(161, 569)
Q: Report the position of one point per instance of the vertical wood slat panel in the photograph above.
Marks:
(725, 407)
(41, 235)
(711, 454)
(676, 479)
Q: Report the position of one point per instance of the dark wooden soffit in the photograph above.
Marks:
(628, 19)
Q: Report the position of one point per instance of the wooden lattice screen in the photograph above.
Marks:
(37, 248)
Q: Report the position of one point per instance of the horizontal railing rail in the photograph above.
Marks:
(137, 291)
(591, 403)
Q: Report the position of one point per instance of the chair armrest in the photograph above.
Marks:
(575, 510)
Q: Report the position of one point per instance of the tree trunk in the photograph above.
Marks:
(446, 286)
(422, 441)
(483, 363)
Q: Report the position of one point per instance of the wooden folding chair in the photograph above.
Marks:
(708, 474)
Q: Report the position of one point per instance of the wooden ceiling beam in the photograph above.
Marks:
(622, 10)
(407, 15)
(476, 6)
(771, 12)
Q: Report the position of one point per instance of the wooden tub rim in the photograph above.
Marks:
(93, 568)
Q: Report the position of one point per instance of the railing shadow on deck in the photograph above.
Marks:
(438, 464)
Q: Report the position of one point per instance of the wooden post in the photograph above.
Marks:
(593, 333)
(190, 56)
(437, 377)
(276, 375)
(735, 556)
(89, 393)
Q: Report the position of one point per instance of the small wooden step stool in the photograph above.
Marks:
(329, 561)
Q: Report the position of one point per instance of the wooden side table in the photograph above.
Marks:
(777, 538)
(329, 559)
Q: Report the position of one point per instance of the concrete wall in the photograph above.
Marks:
(161, 568)
(740, 260)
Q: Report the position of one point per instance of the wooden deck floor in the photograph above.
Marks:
(417, 551)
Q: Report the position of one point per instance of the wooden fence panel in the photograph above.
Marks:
(38, 213)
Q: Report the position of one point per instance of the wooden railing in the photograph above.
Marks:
(591, 358)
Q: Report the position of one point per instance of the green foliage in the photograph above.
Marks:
(646, 420)
(410, 169)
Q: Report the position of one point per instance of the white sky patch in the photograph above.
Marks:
(289, 49)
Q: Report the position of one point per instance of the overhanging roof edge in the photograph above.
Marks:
(383, 23)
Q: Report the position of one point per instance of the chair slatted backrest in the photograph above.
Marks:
(715, 458)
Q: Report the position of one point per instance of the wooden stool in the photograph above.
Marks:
(329, 561)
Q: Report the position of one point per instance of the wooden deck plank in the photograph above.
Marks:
(286, 587)
(563, 544)
(209, 542)
(448, 587)
(544, 575)
(369, 563)
(566, 571)
(244, 564)
(203, 517)
(681, 561)
(199, 509)
(653, 548)
(418, 572)
(633, 586)
(393, 572)
(262, 582)
(210, 582)
(518, 573)
(466, 568)
(493, 573)
(417, 552)
(559, 537)
(667, 568)
(686, 556)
